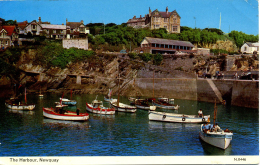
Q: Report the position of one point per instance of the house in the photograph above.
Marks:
(76, 29)
(250, 48)
(53, 31)
(158, 19)
(8, 36)
(164, 46)
(33, 28)
(20, 27)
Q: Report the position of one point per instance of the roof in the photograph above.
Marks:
(168, 42)
(10, 29)
(49, 26)
(165, 14)
(73, 25)
(250, 44)
(22, 25)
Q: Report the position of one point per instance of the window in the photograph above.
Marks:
(61, 31)
(156, 26)
(54, 31)
(6, 42)
(156, 19)
(174, 28)
(34, 27)
(245, 49)
(165, 19)
(165, 27)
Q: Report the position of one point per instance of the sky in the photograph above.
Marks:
(239, 15)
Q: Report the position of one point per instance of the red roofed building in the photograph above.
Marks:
(8, 36)
(158, 19)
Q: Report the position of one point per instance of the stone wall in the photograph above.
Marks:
(168, 87)
(77, 43)
(237, 93)
(245, 93)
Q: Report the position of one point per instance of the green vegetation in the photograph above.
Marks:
(114, 37)
(53, 54)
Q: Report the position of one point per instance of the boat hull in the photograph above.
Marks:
(123, 107)
(158, 105)
(102, 110)
(151, 108)
(72, 116)
(20, 107)
(177, 118)
(217, 139)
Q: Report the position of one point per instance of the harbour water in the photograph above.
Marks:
(28, 133)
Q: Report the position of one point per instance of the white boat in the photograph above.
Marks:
(177, 118)
(16, 104)
(220, 139)
(121, 107)
(59, 113)
(143, 104)
(97, 107)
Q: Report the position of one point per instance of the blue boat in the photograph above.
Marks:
(65, 101)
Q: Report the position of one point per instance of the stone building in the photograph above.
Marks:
(158, 19)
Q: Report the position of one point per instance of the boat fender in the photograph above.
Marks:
(203, 119)
(183, 119)
(164, 116)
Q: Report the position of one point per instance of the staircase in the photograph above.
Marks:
(215, 89)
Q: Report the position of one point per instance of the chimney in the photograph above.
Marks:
(82, 21)
(40, 20)
(140, 16)
(150, 12)
(167, 9)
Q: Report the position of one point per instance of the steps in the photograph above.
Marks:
(215, 89)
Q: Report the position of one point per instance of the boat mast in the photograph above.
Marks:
(215, 112)
(153, 84)
(118, 75)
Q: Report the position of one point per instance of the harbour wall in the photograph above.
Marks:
(237, 93)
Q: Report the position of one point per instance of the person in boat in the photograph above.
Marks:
(77, 111)
(200, 113)
(207, 127)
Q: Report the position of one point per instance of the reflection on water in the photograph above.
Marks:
(25, 112)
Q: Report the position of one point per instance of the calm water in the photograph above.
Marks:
(28, 133)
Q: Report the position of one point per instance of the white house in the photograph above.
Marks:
(250, 48)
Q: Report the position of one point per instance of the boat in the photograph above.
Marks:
(219, 138)
(108, 97)
(165, 99)
(17, 104)
(165, 104)
(65, 101)
(40, 94)
(121, 107)
(59, 113)
(214, 135)
(97, 107)
(177, 118)
(143, 104)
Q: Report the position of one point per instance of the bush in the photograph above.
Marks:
(133, 55)
(157, 59)
(145, 57)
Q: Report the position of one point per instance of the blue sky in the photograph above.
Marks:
(239, 15)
